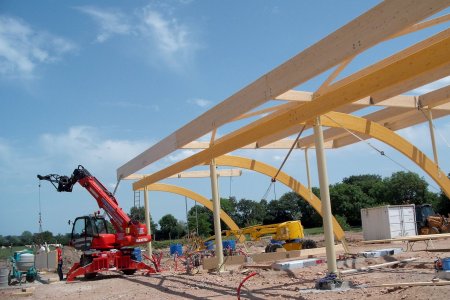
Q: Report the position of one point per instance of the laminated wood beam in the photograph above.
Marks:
(367, 30)
(392, 139)
(415, 64)
(161, 187)
(192, 174)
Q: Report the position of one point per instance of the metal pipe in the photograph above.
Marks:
(433, 141)
(147, 221)
(216, 215)
(325, 197)
(308, 175)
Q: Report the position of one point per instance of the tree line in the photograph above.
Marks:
(347, 199)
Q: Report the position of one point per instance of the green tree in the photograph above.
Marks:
(200, 215)
(249, 213)
(26, 238)
(44, 237)
(406, 188)
(287, 208)
(347, 201)
(442, 205)
(138, 214)
(171, 228)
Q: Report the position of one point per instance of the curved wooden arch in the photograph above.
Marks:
(169, 188)
(387, 136)
(260, 167)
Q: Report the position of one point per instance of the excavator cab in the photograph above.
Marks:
(91, 232)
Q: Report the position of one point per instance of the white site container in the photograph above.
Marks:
(387, 222)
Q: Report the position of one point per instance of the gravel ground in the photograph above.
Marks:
(267, 284)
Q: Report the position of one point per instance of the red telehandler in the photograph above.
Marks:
(103, 251)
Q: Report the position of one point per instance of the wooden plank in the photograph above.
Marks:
(406, 120)
(193, 174)
(385, 19)
(435, 98)
(423, 25)
(411, 238)
(423, 283)
(373, 267)
(413, 65)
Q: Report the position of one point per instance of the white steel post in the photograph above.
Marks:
(216, 215)
(325, 197)
(147, 221)
(307, 173)
(433, 141)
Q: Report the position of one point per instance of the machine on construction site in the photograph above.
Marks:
(288, 235)
(428, 222)
(103, 250)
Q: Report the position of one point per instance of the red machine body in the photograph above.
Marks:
(102, 250)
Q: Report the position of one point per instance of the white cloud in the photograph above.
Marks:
(22, 49)
(111, 22)
(173, 40)
(432, 86)
(131, 105)
(85, 145)
(200, 102)
(181, 155)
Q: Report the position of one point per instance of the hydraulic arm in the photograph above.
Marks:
(128, 231)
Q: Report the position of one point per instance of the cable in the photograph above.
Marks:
(382, 153)
(242, 283)
(274, 178)
(434, 127)
(40, 212)
(289, 153)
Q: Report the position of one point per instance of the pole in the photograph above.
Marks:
(433, 141)
(147, 221)
(308, 175)
(325, 197)
(216, 215)
(196, 216)
(187, 218)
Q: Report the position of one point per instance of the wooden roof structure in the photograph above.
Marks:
(380, 84)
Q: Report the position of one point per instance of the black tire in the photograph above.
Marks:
(309, 244)
(435, 230)
(30, 278)
(85, 260)
(90, 276)
(129, 271)
(273, 248)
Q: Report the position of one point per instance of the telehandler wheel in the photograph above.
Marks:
(309, 244)
(129, 271)
(90, 276)
(272, 248)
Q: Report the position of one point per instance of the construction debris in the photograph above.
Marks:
(365, 269)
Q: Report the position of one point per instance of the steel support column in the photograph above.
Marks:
(325, 197)
(216, 215)
(433, 140)
(147, 221)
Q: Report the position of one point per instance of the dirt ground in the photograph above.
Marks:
(267, 284)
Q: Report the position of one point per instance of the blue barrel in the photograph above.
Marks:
(136, 254)
(209, 245)
(229, 244)
(176, 248)
(446, 264)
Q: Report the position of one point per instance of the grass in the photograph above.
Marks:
(319, 230)
(5, 253)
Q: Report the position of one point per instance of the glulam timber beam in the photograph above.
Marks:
(428, 55)
(383, 20)
(193, 174)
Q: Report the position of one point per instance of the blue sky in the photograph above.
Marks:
(97, 82)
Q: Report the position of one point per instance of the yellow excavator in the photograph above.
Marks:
(288, 235)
